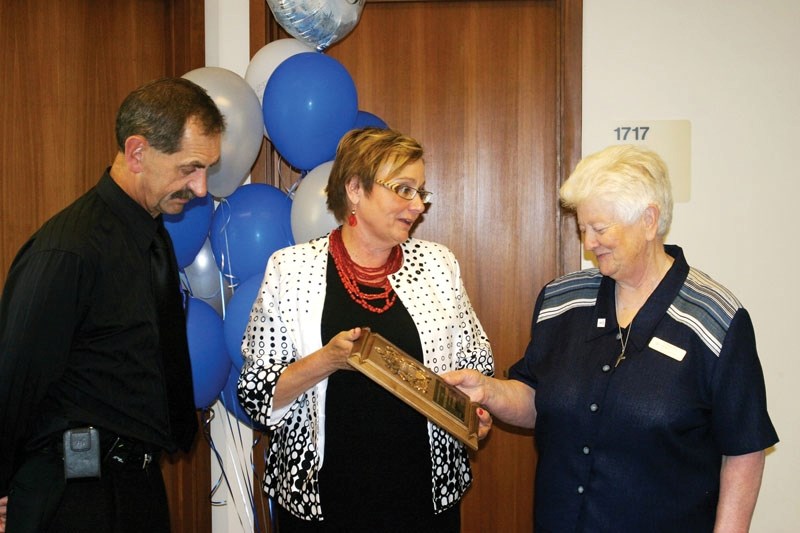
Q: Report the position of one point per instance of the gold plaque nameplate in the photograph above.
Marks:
(416, 385)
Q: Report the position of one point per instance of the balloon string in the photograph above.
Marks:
(243, 481)
(269, 510)
(290, 192)
(246, 479)
(227, 255)
(208, 416)
(222, 295)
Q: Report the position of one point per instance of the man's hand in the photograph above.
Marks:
(3, 513)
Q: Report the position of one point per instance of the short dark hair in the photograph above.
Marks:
(160, 109)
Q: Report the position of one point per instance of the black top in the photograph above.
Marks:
(79, 337)
(376, 472)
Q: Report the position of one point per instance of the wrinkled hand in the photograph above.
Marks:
(3, 513)
(338, 349)
(474, 384)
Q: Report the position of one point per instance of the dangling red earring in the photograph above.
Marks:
(351, 219)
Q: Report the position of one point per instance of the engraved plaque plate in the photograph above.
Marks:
(416, 385)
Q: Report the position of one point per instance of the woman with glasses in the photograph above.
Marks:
(345, 454)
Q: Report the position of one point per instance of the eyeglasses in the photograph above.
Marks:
(406, 192)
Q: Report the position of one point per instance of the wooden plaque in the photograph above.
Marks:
(416, 385)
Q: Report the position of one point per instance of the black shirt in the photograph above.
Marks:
(78, 329)
(375, 445)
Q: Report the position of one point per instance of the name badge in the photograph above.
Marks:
(670, 350)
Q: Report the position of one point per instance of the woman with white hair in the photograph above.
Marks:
(642, 378)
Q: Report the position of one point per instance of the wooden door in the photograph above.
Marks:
(492, 90)
(67, 65)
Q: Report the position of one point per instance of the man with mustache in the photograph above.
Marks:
(95, 378)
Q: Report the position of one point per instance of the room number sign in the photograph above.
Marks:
(671, 139)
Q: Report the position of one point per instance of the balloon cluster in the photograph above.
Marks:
(303, 102)
(308, 102)
(223, 253)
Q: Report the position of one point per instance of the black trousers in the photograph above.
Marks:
(126, 498)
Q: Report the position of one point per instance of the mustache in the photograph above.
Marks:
(183, 194)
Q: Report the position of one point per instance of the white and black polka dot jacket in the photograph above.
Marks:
(285, 326)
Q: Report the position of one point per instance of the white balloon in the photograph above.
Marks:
(310, 217)
(319, 23)
(244, 126)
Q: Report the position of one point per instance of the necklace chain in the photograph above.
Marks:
(623, 342)
(354, 275)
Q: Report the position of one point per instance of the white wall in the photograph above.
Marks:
(732, 69)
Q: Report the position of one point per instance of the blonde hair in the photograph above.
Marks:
(629, 177)
(361, 153)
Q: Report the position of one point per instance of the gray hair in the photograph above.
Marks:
(629, 177)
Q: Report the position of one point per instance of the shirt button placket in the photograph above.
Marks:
(586, 450)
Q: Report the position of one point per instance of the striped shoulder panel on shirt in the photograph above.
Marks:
(706, 307)
(578, 289)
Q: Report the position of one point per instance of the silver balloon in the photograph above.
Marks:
(205, 281)
(319, 23)
(310, 217)
(244, 126)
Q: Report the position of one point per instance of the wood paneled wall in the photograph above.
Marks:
(492, 90)
(67, 65)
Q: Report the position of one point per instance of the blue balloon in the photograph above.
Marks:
(210, 361)
(364, 119)
(230, 400)
(310, 101)
(247, 227)
(237, 315)
(189, 229)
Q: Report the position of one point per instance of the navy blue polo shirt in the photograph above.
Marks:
(638, 447)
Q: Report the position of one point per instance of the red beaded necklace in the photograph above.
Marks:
(353, 275)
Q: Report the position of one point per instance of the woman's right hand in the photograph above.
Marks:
(307, 371)
(339, 347)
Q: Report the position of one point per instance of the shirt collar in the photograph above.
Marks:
(653, 310)
(141, 224)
